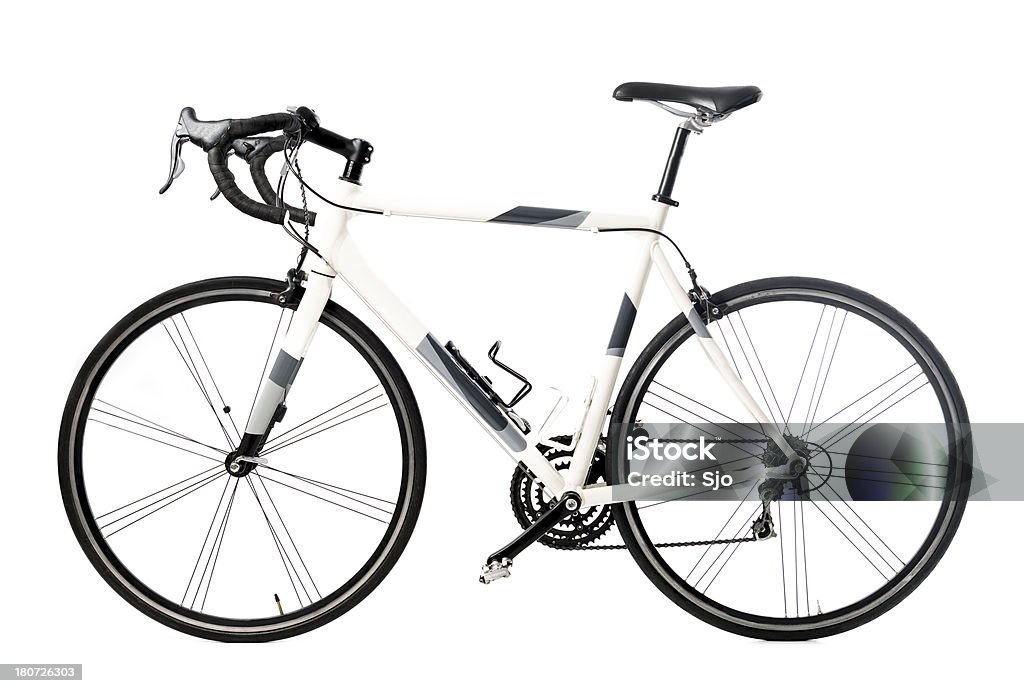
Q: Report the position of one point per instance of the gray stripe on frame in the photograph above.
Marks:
(285, 368)
(542, 216)
(623, 326)
(263, 411)
(572, 221)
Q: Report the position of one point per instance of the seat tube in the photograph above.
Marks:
(269, 406)
(611, 362)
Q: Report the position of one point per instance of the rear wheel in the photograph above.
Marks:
(865, 394)
(183, 535)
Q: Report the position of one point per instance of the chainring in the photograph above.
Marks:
(529, 502)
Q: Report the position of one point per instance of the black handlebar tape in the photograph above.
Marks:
(257, 167)
(218, 160)
(250, 127)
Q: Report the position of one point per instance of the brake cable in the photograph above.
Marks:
(699, 292)
(306, 246)
(298, 175)
(292, 157)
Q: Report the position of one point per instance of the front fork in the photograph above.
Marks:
(270, 401)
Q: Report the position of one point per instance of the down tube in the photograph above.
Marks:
(356, 273)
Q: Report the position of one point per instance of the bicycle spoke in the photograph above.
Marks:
(288, 534)
(279, 436)
(185, 492)
(189, 362)
(817, 376)
(151, 425)
(283, 445)
(726, 547)
(828, 370)
(325, 500)
(832, 451)
(908, 484)
(859, 399)
(803, 372)
(782, 558)
(166, 488)
(883, 471)
(702, 430)
(155, 440)
(286, 562)
(803, 538)
(857, 515)
(718, 324)
(339, 490)
(206, 540)
(851, 541)
(211, 561)
(852, 526)
(700, 404)
(796, 561)
(739, 373)
(760, 365)
(718, 535)
(833, 439)
(224, 405)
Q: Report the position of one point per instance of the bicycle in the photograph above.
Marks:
(146, 412)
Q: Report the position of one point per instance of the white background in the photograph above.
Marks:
(885, 153)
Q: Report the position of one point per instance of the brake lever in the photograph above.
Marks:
(178, 140)
(206, 134)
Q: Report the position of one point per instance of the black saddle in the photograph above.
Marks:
(719, 101)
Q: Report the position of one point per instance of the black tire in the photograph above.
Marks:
(396, 535)
(768, 628)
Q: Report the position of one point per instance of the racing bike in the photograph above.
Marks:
(236, 479)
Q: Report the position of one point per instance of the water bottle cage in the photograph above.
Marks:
(487, 386)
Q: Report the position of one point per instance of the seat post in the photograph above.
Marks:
(668, 178)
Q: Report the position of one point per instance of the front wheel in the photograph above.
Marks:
(262, 552)
(869, 402)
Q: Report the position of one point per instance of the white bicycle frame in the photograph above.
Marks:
(341, 258)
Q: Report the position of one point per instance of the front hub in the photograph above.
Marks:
(237, 465)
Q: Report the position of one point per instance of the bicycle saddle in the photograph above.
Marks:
(719, 101)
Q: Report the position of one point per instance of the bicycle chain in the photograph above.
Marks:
(662, 545)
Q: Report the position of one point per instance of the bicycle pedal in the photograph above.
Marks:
(495, 571)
